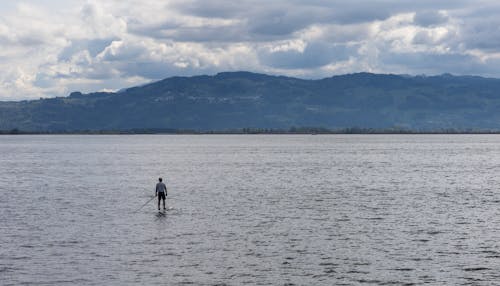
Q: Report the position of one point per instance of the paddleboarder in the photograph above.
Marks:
(161, 192)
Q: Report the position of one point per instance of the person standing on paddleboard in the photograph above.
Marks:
(161, 192)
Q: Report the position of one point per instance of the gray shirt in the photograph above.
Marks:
(161, 188)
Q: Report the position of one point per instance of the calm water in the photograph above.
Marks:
(258, 210)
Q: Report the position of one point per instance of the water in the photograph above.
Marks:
(258, 210)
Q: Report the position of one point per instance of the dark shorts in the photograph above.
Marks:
(161, 196)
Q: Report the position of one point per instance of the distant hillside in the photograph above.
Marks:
(243, 99)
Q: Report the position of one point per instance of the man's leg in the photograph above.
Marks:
(159, 199)
(164, 202)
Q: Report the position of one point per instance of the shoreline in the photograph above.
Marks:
(245, 131)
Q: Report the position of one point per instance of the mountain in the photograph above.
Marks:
(233, 100)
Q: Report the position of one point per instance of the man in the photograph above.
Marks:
(161, 192)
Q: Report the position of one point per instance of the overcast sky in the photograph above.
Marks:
(52, 47)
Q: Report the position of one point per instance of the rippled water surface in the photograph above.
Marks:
(258, 210)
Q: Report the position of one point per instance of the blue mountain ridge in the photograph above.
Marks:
(232, 100)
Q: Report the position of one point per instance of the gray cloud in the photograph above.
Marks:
(168, 31)
(482, 33)
(429, 63)
(315, 11)
(261, 21)
(278, 22)
(93, 46)
(430, 18)
(213, 9)
(315, 55)
(157, 70)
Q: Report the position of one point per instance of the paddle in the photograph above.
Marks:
(145, 204)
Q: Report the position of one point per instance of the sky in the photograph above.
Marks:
(50, 48)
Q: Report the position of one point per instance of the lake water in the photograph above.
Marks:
(250, 209)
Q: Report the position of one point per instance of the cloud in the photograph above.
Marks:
(52, 47)
(93, 46)
(278, 22)
(307, 55)
(430, 18)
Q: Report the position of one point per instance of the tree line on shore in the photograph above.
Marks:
(251, 130)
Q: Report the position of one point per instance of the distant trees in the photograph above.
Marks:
(12, 131)
(253, 130)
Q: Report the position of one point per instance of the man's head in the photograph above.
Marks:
(160, 179)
